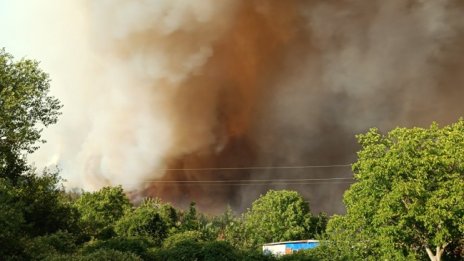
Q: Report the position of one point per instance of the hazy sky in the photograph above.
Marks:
(55, 33)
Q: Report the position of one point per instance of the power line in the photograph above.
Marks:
(263, 184)
(251, 181)
(260, 167)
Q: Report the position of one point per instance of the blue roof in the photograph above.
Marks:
(301, 245)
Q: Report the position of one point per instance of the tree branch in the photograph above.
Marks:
(430, 254)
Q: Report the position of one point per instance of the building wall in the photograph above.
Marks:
(275, 249)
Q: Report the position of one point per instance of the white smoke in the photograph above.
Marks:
(116, 67)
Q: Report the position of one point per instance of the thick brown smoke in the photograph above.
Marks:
(205, 84)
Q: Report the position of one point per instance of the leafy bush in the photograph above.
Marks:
(219, 250)
(60, 242)
(255, 255)
(173, 240)
(184, 250)
(138, 246)
(144, 221)
(192, 248)
(101, 254)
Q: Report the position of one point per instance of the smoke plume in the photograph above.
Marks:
(208, 84)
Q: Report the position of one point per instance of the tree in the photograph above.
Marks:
(277, 216)
(34, 207)
(46, 209)
(214, 227)
(189, 220)
(234, 230)
(222, 222)
(31, 205)
(25, 108)
(318, 224)
(144, 221)
(11, 219)
(101, 209)
(408, 199)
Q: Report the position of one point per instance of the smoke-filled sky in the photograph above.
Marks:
(150, 85)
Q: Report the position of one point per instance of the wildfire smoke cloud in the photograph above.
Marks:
(204, 84)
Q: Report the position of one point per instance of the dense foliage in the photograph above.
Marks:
(277, 216)
(407, 202)
(100, 210)
(25, 107)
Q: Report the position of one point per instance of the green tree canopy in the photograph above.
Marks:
(25, 108)
(101, 209)
(150, 219)
(409, 194)
(46, 208)
(35, 206)
(277, 216)
(189, 219)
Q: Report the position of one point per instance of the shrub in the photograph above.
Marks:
(60, 242)
(138, 246)
(101, 254)
(219, 250)
(174, 239)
